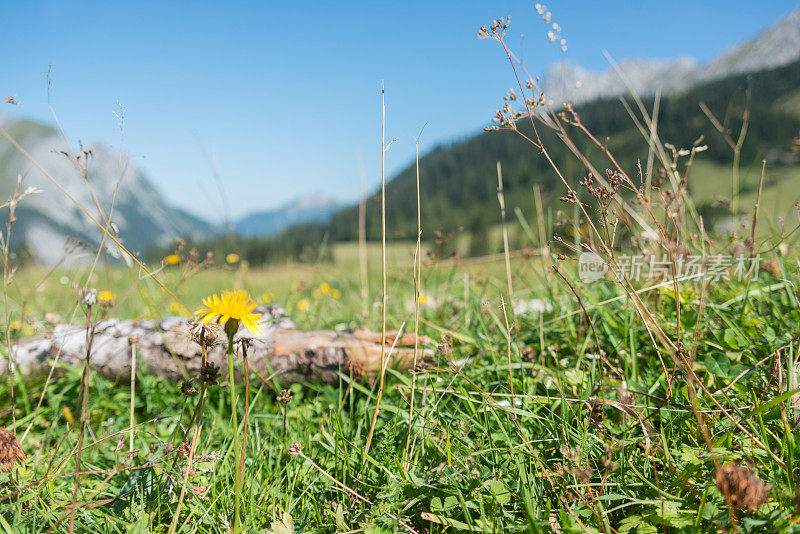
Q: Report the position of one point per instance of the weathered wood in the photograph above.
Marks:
(165, 348)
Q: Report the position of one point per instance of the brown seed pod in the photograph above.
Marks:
(10, 450)
(740, 486)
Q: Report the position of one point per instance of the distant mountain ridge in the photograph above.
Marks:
(308, 209)
(44, 220)
(776, 46)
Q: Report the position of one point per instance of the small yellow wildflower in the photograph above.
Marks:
(423, 299)
(172, 259)
(325, 288)
(232, 258)
(67, 414)
(302, 304)
(335, 293)
(105, 297)
(266, 297)
(16, 324)
(230, 309)
(174, 307)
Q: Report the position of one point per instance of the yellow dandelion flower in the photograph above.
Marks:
(335, 293)
(302, 304)
(423, 299)
(230, 309)
(232, 258)
(105, 296)
(16, 324)
(325, 288)
(172, 259)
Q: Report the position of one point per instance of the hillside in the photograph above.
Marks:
(45, 220)
(459, 180)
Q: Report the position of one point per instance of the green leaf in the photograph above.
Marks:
(499, 491)
(450, 502)
(629, 523)
(283, 525)
(731, 338)
(718, 365)
(777, 400)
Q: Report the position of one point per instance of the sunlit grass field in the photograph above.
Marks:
(593, 438)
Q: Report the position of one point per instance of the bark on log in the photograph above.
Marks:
(165, 348)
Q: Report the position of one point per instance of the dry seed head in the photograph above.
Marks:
(200, 491)
(608, 458)
(89, 297)
(209, 374)
(295, 449)
(741, 487)
(187, 387)
(571, 197)
(10, 450)
(183, 448)
(285, 397)
(242, 342)
(208, 334)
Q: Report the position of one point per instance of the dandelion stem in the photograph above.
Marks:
(235, 425)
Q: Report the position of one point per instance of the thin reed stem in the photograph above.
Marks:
(383, 275)
(362, 242)
(755, 208)
(501, 199)
(84, 397)
(132, 342)
(508, 351)
(246, 371)
(417, 285)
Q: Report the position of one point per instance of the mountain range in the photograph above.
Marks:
(774, 47)
(112, 186)
(142, 218)
(314, 208)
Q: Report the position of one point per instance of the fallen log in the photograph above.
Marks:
(165, 348)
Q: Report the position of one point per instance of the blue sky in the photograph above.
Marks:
(286, 95)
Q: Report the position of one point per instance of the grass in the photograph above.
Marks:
(472, 467)
(780, 186)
